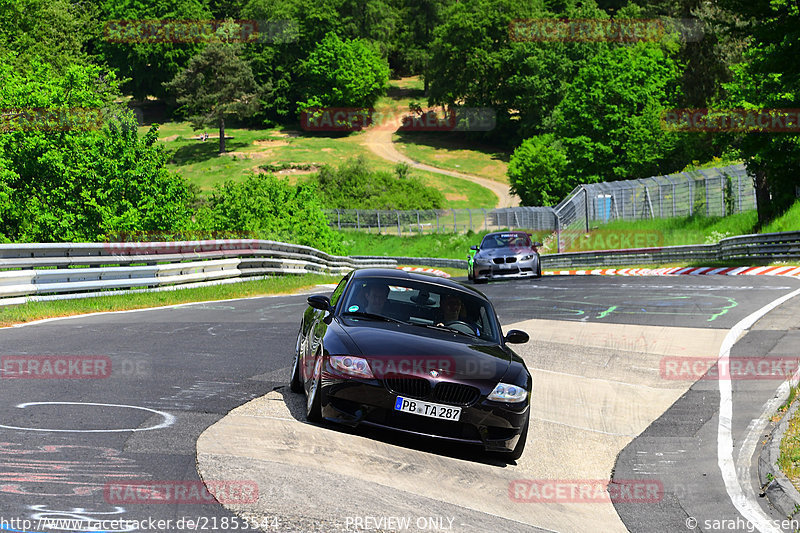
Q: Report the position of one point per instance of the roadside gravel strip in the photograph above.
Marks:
(592, 399)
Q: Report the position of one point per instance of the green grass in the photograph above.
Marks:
(118, 302)
(789, 221)
(450, 151)
(441, 245)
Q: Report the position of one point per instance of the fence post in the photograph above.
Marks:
(358, 220)
(469, 212)
(558, 232)
(339, 219)
(399, 233)
(378, 214)
(586, 206)
(485, 219)
(455, 226)
(437, 221)
(419, 226)
(690, 182)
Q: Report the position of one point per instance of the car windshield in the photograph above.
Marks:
(421, 304)
(506, 240)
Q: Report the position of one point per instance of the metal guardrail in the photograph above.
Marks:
(761, 247)
(36, 269)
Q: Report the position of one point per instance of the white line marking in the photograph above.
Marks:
(168, 418)
(743, 499)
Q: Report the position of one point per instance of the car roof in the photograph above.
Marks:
(506, 233)
(392, 273)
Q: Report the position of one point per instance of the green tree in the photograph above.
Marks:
(143, 62)
(610, 117)
(215, 85)
(85, 173)
(342, 73)
(769, 78)
(536, 171)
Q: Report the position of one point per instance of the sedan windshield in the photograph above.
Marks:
(506, 240)
(421, 304)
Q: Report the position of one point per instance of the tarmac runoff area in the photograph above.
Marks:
(596, 387)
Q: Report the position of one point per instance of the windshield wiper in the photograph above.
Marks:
(364, 314)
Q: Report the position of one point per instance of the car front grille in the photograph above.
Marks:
(408, 386)
(501, 260)
(455, 393)
(443, 392)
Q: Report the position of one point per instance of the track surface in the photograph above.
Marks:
(197, 362)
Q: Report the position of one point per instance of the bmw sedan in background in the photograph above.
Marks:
(416, 354)
(504, 254)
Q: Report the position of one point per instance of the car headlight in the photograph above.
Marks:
(504, 392)
(352, 366)
(526, 258)
(483, 260)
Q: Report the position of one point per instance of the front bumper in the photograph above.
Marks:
(494, 425)
(516, 269)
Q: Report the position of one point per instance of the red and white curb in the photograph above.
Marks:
(424, 270)
(683, 271)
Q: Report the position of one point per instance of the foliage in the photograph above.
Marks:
(216, 84)
(76, 179)
(536, 171)
(355, 186)
(769, 78)
(270, 208)
(146, 64)
(342, 73)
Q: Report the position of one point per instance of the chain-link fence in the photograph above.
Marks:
(708, 192)
(442, 220)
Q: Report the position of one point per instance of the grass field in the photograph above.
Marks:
(277, 285)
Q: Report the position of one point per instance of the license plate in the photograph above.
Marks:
(432, 410)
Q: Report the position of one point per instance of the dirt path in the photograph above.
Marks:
(379, 140)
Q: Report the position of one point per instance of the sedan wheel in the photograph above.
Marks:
(313, 401)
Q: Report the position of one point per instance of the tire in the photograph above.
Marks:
(313, 400)
(295, 382)
(516, 453)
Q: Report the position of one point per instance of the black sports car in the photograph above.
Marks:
(413, 353)
(504, 254)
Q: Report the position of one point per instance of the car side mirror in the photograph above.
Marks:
(516, 336)
(473, 247)
(323, 303)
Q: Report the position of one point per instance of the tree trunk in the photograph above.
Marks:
(222, 135)
(763, 200)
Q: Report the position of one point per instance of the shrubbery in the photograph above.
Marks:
(355, 186)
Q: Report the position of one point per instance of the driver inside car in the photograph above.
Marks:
(452, 310)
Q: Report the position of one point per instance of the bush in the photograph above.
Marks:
(355, 186)
(536, 171)
(270, 208)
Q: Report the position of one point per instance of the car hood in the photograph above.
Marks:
(393, 348)
(503, 252)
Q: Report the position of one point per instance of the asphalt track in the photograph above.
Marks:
(178, 370)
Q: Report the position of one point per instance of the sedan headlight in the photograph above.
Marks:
(526, 258)
(483, 260)
(504, 392)
(352, 366)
